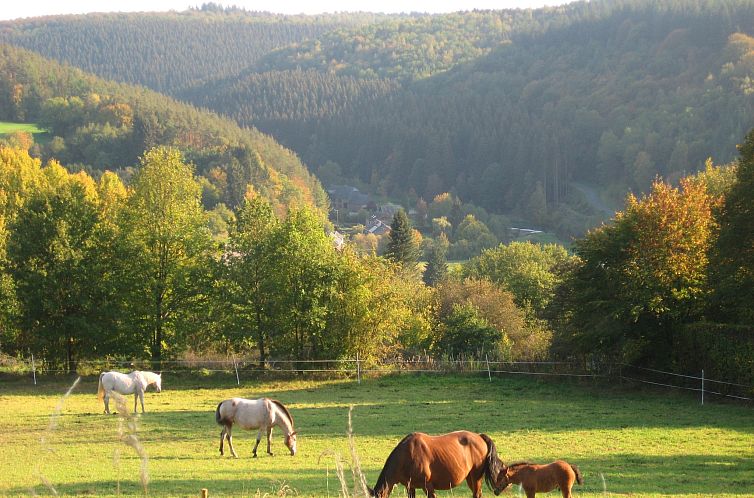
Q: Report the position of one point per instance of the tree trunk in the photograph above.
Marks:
(70, 361)
(157, 337)
(260, 341)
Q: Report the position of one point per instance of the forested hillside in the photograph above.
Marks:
(507, 110)
(97, 125)
(173, 231)
(171, 51)
(613, 95)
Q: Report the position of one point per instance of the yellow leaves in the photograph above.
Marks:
(55, 175)
(20, 175)
(670, 235)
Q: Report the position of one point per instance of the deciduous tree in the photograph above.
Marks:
(170, 247)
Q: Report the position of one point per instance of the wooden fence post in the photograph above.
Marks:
(235, 365)
(489, 374)
(702, 387)
(358, 369)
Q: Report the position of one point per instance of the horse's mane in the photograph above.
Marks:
(520, 464)
(147, 374)
(282, 407)
(493, 464)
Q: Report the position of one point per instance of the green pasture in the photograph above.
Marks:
(7, 127)
(626, 442)
(40, 135)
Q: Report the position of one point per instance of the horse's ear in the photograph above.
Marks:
(294, 433)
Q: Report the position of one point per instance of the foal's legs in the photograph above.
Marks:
(565, 488)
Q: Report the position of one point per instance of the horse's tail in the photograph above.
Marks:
(100, 388)
(579, 477)
(218, 417)
(382, 487)
(492, 465)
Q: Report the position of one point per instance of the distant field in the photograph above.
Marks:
(6, 127)
(627, 443)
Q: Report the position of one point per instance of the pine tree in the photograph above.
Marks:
(401, 248)
(437, 263)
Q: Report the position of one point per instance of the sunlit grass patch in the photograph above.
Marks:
(8, 127)
(641, 443)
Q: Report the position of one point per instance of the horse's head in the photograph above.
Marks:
(290, 442)
(502, 482)
(158, 382)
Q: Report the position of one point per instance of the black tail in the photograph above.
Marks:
(493, 464)
(218, 418)
(579, 477)
(382, 487)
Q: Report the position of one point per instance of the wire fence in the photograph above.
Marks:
(247, 368)
(685, 382)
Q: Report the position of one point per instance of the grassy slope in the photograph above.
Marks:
(644, 444)
(6, 127)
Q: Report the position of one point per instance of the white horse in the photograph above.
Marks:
(260, 414)
(134, 383)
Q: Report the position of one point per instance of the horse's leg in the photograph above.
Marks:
(269, 440)
(565, 488)
(106, 399)
(531, 492)
(222, 440)
(430, 490)
(475, 485)
(259, 438)
(411, 492)
(229, 437)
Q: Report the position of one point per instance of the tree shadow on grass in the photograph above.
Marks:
(616, 474)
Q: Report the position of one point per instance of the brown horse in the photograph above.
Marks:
(427, 462)
(541, 478)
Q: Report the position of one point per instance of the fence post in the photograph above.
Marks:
(702, 387)
(358, 369)
(33, 369)
(489, 374)
(235, 366)
(205, 493)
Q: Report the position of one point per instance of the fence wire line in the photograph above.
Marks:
(705, 379)
(342, 360)
(440, 366)
(697, 389)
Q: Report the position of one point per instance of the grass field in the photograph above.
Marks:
(6, 127)
(627, 443)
